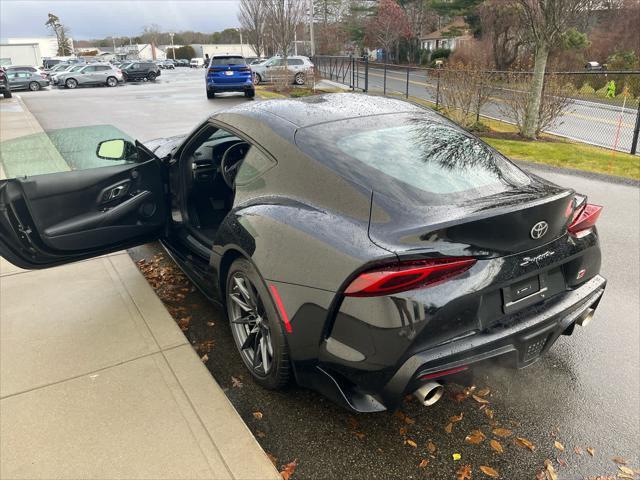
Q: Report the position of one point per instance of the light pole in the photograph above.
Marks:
(313, 41)
(240, 32)
(173, 50)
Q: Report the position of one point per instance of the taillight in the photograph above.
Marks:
(407, 276)
(245, 69)
(584, 219)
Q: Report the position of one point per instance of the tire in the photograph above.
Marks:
(112, 82)
(151, 77)
(71, 83)
(211, 94)
(34, 86)
(257, 79)
(269, 334)
(299, 78)
(250, 93)
(7, 94)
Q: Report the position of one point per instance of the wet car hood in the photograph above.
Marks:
(163, 147)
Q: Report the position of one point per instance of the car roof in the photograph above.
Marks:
(332, 107)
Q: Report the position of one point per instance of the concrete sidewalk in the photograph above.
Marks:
(97, 381)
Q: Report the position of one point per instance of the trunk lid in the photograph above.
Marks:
(498, 225)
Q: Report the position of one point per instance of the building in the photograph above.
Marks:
(48, 45)
(20, 54)
(450, 36)
(140, 51)
(223, 48)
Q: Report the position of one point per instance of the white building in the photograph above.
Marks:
(48, 45)
(140, 51)
(20, 54)
(223, 48)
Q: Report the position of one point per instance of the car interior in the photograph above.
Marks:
(210, 164)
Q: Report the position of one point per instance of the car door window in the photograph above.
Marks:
(255, 163)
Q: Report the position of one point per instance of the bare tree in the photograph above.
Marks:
(64, 45)
(546, 21)
(252, 16)
(282, 17)
(465, 90)
(501, 23)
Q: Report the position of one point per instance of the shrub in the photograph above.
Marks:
(586, 89)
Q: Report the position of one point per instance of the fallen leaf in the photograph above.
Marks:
(257, 415)
(558, 445)
(288, 470)
(431, 447)
(497, 446)
(591, 451)
(403, 431)
(183, 323)
(456, 457)
(353, 423)
(448, 428)
(523, 442)
(626, 476)
(475, 437)
(483, 393)
(551, 472)
(273, 459)
(236, 383)
(578, 450)
(411, 443)
(456, 418)
(204, 358)
(561, 462)
(408, 420)
(480, 399)
(360, 435)
(399, 414)
(626, 470)
(490, 472)
(423, 463)
(260, 434)
(502, 432)
(488, 412)
(464, 473)
(541, 475)
(619, 460)
(469, 390)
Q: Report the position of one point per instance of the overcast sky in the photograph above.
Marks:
(97, 18)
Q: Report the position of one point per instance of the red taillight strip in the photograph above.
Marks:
(451, 371)
(407, 276)
(584, 219)
(280, 305)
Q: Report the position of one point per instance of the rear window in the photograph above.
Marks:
(230, 60)
(411, 156)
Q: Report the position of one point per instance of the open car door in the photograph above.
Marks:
(57, 218)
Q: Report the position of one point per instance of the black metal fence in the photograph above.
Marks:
(598, 108)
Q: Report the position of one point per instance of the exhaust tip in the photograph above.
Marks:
(429, 393)
(586, 317)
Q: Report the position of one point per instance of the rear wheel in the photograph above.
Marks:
(257, 79)
(7, 94)
(151, 77)
(112, 82)
(71, 83)
(250, 93)
(299, 79)
(211, 94)
(34, 86)
(256, 326)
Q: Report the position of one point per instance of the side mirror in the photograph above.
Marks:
(117, 149)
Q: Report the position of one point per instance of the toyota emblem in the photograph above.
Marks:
(539, 230)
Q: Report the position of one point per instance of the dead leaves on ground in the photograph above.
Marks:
(558, 445)
(496, 446)
(411, 443)
(236, 383)
(488, 471)
(475, 437)
(550, 471)
(523, 442)
(258, 415)
(464, 473)
(288, 470)
(423, 463)
(502, 432)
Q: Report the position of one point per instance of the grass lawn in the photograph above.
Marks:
(570, 155)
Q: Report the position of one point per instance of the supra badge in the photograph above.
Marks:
(539, 230)
(529, 260)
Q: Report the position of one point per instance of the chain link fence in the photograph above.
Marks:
(598, 108)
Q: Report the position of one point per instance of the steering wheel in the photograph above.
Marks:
(231, 161)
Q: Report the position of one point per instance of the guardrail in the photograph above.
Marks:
(598, 107)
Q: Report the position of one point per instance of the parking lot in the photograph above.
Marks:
(583, 395)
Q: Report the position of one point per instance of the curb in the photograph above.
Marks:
(581, 173)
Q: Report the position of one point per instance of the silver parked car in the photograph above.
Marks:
(26, 80)
(298, 68)
(94, 74)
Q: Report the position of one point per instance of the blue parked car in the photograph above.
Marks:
(229, 73)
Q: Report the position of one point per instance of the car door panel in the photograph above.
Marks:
(56, 218)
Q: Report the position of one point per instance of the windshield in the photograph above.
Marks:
(412, 154)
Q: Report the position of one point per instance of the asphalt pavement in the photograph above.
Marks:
(584, 394)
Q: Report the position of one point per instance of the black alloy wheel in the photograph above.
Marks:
(256, 326)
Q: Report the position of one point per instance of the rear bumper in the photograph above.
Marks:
(230, 87)
(519, 345)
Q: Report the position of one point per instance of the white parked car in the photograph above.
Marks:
(94, 74)
(196, 63)
(298, 69)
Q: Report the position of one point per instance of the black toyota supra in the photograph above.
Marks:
(362, 246)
